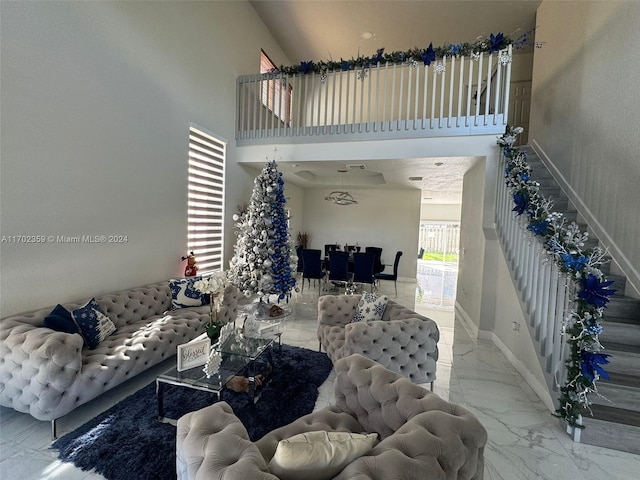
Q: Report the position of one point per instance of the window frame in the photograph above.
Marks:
(274, 91)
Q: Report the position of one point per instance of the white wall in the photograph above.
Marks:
(585, 112)
(96, 103)
(472, 246)
(382, 218)
(516, 343)
(440, 213)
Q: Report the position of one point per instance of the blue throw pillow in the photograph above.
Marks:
(60, 320)
(184, 295)
(93, 323)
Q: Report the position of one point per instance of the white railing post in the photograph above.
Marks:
(507, 89)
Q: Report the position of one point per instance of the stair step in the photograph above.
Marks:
(623, 331)
(619, 284)
(559, 203)
(570, 215)
(613, 320)
(617, 415)
(606, 266)
(550, 191)
(623, 380)
(614, 394)
(624, 358)
(611, 427)
(623, 307)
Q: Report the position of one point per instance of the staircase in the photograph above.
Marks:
(615, 422)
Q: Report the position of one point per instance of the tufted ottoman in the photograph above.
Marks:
(403, 341)
(47, 373)
(420, 435)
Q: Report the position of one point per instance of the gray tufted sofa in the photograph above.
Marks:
(420, 435)
(47, 373)
(403, 341)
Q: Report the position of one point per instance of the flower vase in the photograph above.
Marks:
(213, 326)
(213, 331)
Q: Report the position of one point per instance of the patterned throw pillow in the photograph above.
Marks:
(183, 293)
(60, 320)
(370, 308)
(93, 323)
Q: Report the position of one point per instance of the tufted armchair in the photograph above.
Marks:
(420, 435)
(47, 373)
(403, 341)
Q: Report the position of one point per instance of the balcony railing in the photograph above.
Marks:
(384, 101)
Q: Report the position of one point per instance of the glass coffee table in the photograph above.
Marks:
(240, 354)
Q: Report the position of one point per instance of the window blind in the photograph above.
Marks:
(205, 209)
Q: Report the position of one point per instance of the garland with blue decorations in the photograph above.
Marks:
(492, 43)
(564, 243)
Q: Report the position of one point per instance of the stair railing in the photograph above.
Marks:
(546, 294)
(563, 309)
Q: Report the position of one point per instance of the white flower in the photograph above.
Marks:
(213, 284)
(213, 364)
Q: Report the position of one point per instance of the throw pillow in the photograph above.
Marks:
(60, 320)
(318, 455)
(93, 323)
(183, 293)
(370, 307)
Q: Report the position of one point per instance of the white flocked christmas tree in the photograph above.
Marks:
(264, 257)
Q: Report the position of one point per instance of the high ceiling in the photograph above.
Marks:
(328, 29)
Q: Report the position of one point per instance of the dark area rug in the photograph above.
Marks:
(128, 442)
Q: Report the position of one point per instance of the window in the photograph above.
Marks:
(276, 94)
(205, 208)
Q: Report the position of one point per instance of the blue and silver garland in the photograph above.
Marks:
(564, 243)
(416, 56)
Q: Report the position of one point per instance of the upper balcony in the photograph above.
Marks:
(381, 101)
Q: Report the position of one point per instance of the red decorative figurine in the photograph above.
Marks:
(191, 269)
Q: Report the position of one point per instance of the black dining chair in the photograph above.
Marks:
(389, 276)
(377, 251)
(363, 268)
(332, 247)
(339, 268)
(299, 249)
(312, 267)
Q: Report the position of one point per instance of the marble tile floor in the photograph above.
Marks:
(525, 440)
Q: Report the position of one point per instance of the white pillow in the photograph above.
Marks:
(318, 455)
(370, 308)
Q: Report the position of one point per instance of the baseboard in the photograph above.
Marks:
(630, 271)
(540, 389)
(467, 323)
